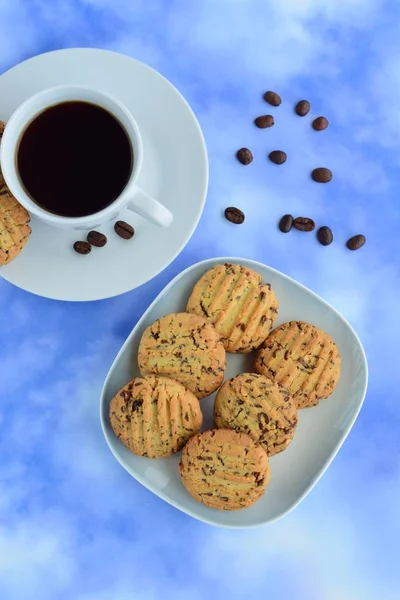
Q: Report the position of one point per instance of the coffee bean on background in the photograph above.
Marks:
(272, 98)
(234, 215)
(278, 157)
(124, 230)
(304, 224)
(325, 235)
(82, 247)
(244, 156)
(95, 238)
(356, 242)
(320, 123)
(303, 108)
(322, 175)
(286, 223)
(264, 121)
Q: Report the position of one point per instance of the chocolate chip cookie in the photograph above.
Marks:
(241, 307)
(254, 404)
(14, 221)
(184, 347)
(301, 358)
(224, 469)
(155, 416)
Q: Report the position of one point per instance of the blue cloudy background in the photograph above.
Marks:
(73, 524)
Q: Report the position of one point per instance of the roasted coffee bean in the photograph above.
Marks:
(95, 238)
(303, 108)
(244, 156)
(234, 215)
(321, 175)
(325, 235)
(320, 123)
(304, 224)
(264, 121)
(286, 223)
(356, 242)
(82, 247)
(278, 157)
(272, 98)
(124, 230)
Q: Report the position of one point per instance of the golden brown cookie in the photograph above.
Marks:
(241, 308)
(254, 404)
(224, 469)
(301, 358)
(155, 416)
(186, 348)
(14, 219)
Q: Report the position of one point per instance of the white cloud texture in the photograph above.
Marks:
(73, 524)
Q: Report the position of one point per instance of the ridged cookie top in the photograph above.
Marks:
(186, 348)
(155, 416)
(224, 469)
(14, 219)
(253, 404)
(303, 359)
(239, 305)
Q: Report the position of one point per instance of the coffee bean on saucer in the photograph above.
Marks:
(325, 235)
(95, 238)
(304, 224)
(320, 123)
(286, 223)
(124, 230)
(234, 215)
(264, 121)
(356, 242)
(302, 108)
(244, 156)
(278, 157)
(82, 247)
(322, 175)
(272, 98)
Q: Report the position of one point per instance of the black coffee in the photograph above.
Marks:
(74, 159)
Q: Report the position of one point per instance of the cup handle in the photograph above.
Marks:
(149, 208)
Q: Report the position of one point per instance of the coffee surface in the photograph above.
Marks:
(74, 159)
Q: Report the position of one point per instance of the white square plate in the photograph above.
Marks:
(321, 430)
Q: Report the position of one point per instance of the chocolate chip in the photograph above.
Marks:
(234, 215)
(325, 235)
(303, 363)
(272, 98)
(356, 242)
(244, 156)
(320, 123)
(286, 223)
(82, 247)
(264, 121)
(124, 230)
(304, 224)
(321, 175)
(95, 238)
(278, 157)
(136, 405)
(302, 108)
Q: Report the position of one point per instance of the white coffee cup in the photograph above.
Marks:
(131, 197)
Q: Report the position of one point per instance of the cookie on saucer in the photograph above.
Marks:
(186, 348)
(14, 221)
(240, 306)
(301, 358)
(255, 405)
(155, 416)
(224, 469)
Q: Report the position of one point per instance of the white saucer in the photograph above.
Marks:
(175, 171)
(321, 430)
